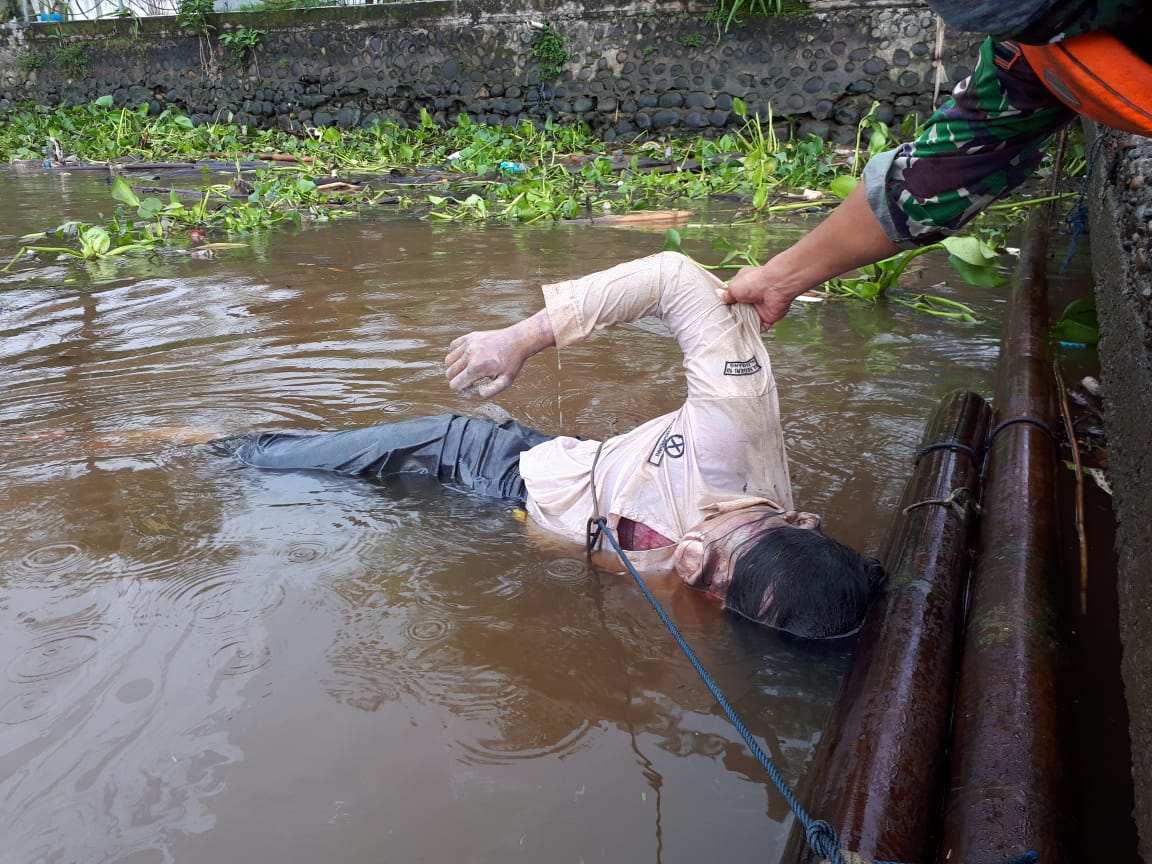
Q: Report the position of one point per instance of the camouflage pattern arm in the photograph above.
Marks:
(979, 146)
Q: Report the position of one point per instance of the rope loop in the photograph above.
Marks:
(597, 523)
(954, 446)
(1023, 418)
(594, 533)
(959, 500)
(823, 840)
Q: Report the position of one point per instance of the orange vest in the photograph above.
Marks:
(1098, 76)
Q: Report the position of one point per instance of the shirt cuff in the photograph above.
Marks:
(565, 313)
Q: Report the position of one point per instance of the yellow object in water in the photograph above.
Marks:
(520, 515)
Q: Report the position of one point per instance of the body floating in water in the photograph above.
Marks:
(703, 490)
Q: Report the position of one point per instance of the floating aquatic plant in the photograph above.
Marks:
(462, 171)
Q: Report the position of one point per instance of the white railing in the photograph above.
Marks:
(89, 10)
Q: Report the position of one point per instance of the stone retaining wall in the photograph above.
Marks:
(636, 68)
(1122, 265)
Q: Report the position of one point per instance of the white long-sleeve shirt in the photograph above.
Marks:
(723, 447)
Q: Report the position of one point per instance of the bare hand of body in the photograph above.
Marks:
(484, 363)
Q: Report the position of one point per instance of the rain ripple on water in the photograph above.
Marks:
(54, 656)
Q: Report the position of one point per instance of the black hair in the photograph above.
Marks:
(819, 588)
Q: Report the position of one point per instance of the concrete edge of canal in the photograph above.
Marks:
(1120, 198)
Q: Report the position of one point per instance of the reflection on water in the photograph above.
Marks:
(200, 663)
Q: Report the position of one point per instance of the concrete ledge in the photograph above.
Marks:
(1121, 199)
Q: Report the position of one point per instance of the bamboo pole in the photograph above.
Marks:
(1007, 786)
(880, 768)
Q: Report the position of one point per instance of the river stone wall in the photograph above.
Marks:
(636, 68)
(1121, 228)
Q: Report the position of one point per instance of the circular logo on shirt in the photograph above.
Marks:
(674, 446)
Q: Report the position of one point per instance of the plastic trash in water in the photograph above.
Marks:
(513, 167)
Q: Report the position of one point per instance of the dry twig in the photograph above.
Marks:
(1081, 536)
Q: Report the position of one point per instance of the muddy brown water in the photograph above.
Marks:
(202, 663)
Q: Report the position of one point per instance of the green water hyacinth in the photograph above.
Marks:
(972, 259)
(95, 244)
(461, 172)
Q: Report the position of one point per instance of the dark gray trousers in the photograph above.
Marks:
(466, 453)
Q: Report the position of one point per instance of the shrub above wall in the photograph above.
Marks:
(625, 69)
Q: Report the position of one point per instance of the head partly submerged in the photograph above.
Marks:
(780, 570)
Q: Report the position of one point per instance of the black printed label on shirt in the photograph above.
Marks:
(662, 447)
(742, 367)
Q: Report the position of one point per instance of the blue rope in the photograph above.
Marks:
(1077, 217)
(821, 836)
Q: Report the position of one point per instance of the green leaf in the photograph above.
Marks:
(1077, 324)
(760, 197)
(184, 122)
(977, 274)
(843, 185)
(304, 185)
(149, 207)
(971, 249)
(59, 250)
(672, 241)
(95, 241)
(1080, 311)
(123, 193)
(104, 101)
(71, 228)
(854, 286)
(1071, 331)
(739, 108)
(941, 307)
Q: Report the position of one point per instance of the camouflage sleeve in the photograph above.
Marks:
(1036, 21)
(979, 146)
(1002, 20)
